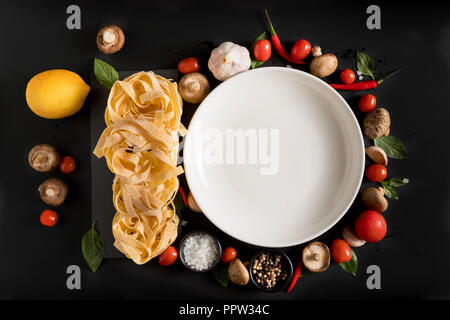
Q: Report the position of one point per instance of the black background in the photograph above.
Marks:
(413, 258)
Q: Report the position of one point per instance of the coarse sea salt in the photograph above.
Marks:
(200, 251)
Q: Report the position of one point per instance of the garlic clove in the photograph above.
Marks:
(352, 239)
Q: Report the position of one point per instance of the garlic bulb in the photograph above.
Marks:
(228, 59)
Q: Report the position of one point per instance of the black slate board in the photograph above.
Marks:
(101, 178)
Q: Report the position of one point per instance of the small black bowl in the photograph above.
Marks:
(181, 250)
(286, 264)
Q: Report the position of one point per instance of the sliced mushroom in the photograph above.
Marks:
(373, 198)
(192, 204)
(110, 39)
(316, 257)
(352, 239)
(194, 87)
(53, 191)
(43, 158)
(377, 123)
(377, 155)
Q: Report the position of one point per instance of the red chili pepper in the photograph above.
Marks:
(278, 46)
(183, 195)
(297, 272)
(363, 85)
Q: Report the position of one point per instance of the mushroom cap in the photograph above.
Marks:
(323, 65)
(352, 239)
(110, 39)
(192, 204)
(373, 198)
(238, 273)
(53, 191)
(377, 155)
(43, 158)
(316, 257)
(194, 87)
(377, 123)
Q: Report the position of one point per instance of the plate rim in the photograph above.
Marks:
(362, 154)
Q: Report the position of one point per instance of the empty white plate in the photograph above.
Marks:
(274, 157)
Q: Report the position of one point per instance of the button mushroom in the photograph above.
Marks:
(316, 257)
(53, 191)
(43, 158)
(377, 123)
(352, 239)
(377, 155)
(238, 273)
(192, 204)
(323, 65)
(373, 198)
(110, 39)
(194, 87)
(228, 59)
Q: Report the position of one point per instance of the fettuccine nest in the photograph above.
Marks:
(140, 145)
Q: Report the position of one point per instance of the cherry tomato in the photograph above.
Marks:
(340, 250)
(188, 65)
(300, 49)
(262, 50)
(49, 218)
(370, 226)
(67, 164)
(168, 256)
(347, 76)
(367, 103)
(228, 255)
(376, 172)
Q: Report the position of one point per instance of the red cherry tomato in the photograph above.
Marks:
(340, 250)
(370, 226)
(228, 255)
(262, 50)
(348, 76)
(367, 103)
(67, 164)
(168, 256)
(376, 172)
(49, 218)
(188, 65)
(300, 49)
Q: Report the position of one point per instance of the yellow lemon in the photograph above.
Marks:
(56, 94)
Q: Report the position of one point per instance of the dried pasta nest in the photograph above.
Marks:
(140, 145)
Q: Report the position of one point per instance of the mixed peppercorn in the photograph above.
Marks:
(268, 270)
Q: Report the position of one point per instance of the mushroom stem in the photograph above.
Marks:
(194, 87)
(109, 37)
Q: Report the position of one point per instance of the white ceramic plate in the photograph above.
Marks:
(289, 196)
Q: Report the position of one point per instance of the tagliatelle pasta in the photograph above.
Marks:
(140, 145)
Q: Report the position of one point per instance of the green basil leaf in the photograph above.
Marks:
(393, 147)
(92, 248)
(105, 73)
(350, 266)
(365, 64)
(390, 185)
(256, 63)
(397, 182)
(220, 274)
(389, 191)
